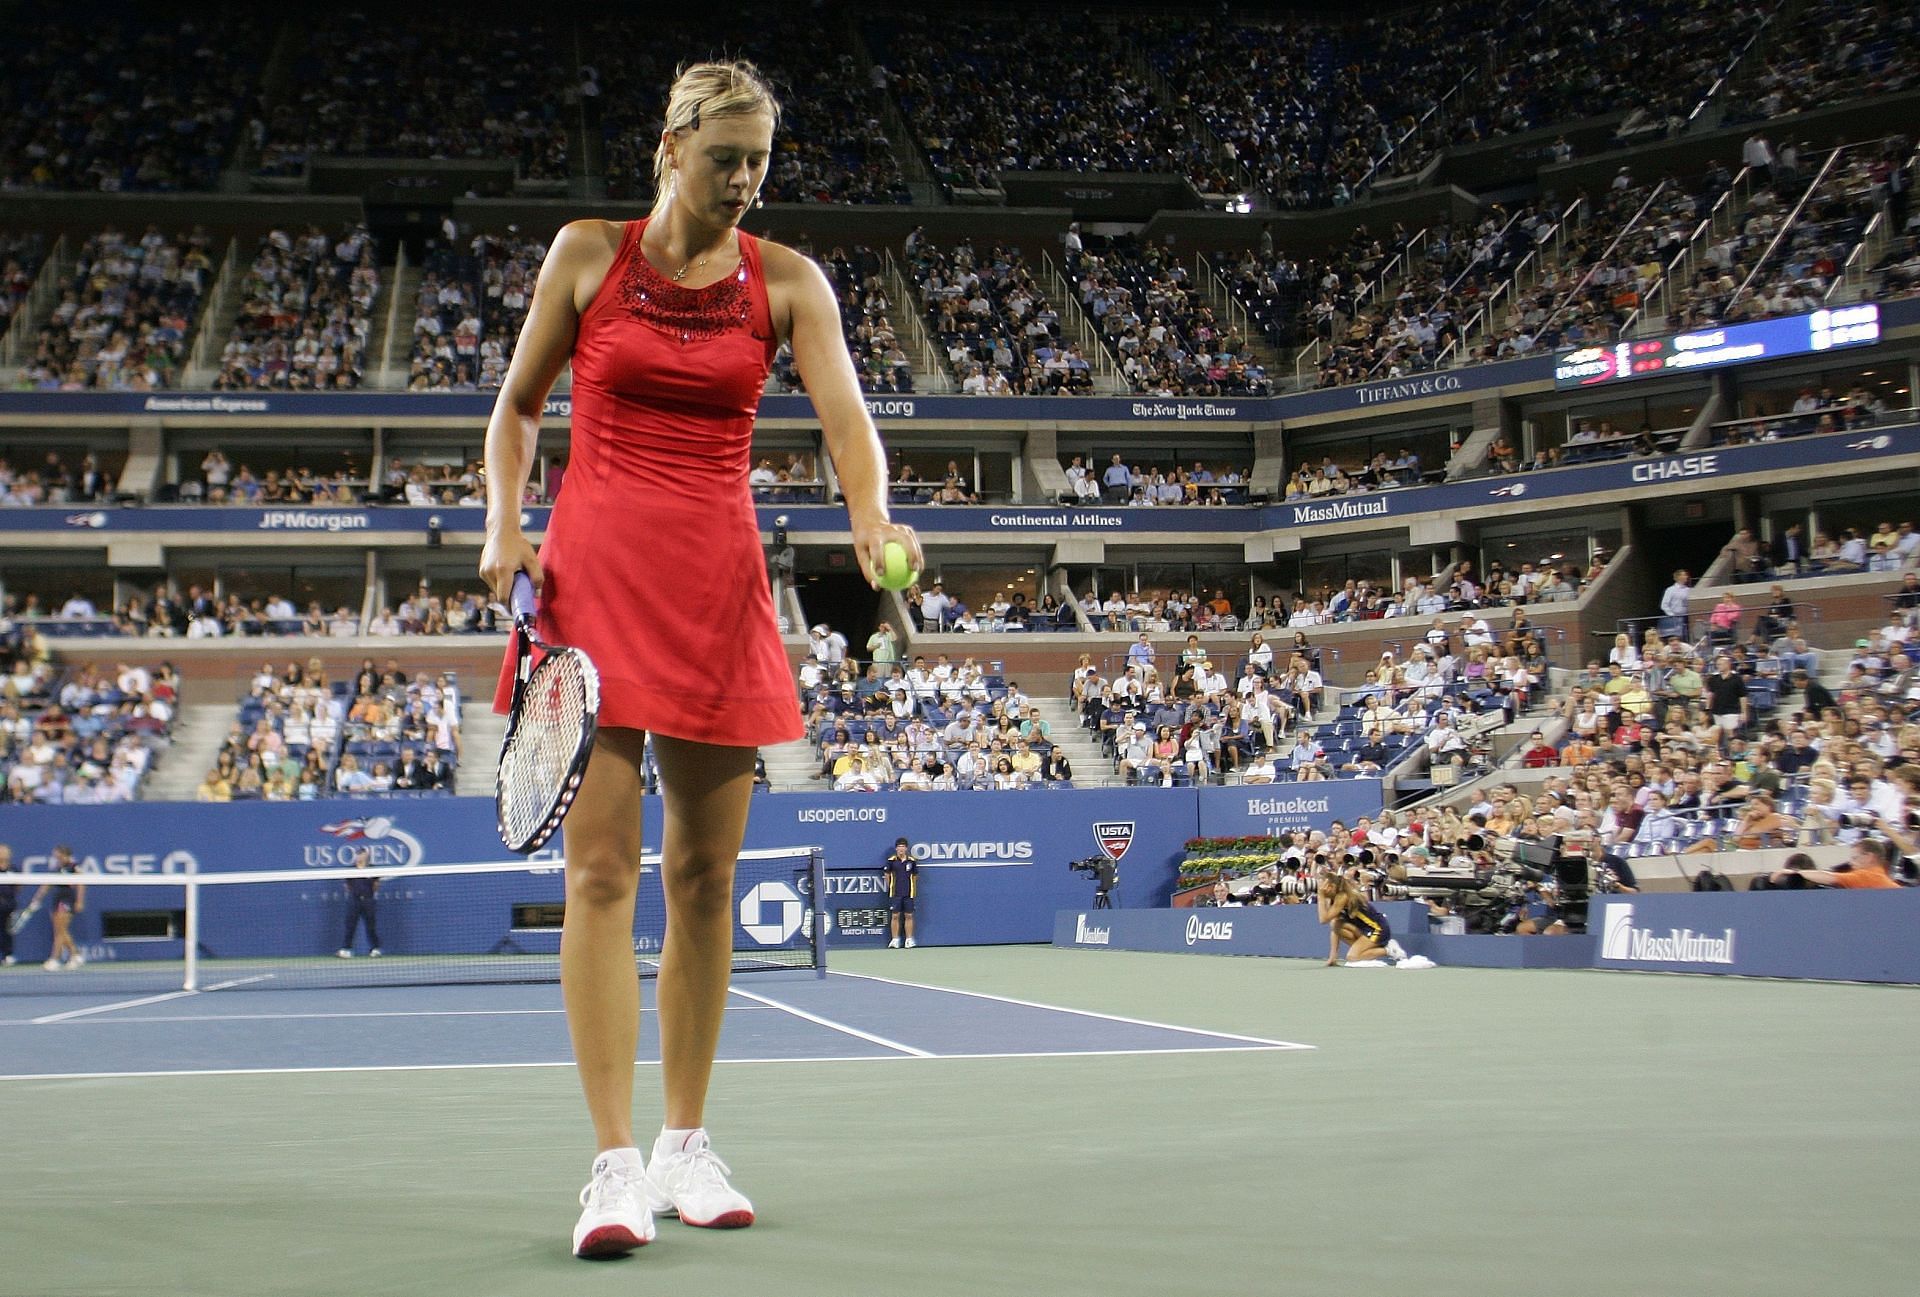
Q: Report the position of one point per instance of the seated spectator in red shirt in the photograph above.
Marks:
(1539, 753)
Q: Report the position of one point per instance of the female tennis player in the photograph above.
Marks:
(1352, 919)
(69, 898)
(652, 564)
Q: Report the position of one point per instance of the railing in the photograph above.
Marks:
(932, 362)
(1457, 345)
(46, 286)
(1219, 290)
(1105, 370)
(1720, 219)
(1849, 284)
(386, 378)
(1780, 234)
(1481, 322)
(224, 287)
(1726, 73)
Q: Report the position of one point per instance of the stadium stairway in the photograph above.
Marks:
(1090, 765)
(198, 731)
(793, 765)
(480, 734)
(390, 343)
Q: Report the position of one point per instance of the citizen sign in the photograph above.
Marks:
(1199, 929)
(1620, 940)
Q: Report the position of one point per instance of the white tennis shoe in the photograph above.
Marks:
(615, 1220)
(1395, 949)
(692, 1184)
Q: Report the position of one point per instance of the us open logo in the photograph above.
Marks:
(1114, 837)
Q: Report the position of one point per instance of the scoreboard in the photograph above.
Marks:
(1732, 344)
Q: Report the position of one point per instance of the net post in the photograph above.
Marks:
(822, 911)
(191, 981)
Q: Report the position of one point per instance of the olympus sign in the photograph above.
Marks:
(1199, 929)
(967, 853)
(1620, 940)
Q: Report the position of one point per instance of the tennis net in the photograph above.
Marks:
(489, 921)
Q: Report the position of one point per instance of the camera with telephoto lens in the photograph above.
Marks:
(1104, 874)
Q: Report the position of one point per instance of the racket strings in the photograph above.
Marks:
(537, 765)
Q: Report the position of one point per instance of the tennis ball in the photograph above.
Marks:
(893, 573)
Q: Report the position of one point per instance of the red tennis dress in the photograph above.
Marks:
(652, 556)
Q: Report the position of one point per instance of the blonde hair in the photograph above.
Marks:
(703, 91)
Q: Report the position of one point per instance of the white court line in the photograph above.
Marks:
(918, 1056)
(71, 1014)
(1084, 1013)
(293, 1016)
(831, 1025)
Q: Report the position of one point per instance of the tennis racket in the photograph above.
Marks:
(556, 706)
(19, 922)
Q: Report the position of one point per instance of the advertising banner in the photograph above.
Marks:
(1837, 454)
(993, 866)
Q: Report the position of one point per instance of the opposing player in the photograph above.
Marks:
(1351, 918)
(903, 888)
(68, 899)
(652, 564)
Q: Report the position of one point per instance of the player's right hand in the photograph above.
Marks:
(505, 554)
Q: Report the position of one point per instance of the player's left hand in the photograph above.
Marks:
(870, 543)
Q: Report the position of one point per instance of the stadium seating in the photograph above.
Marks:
(81, 735)
(416, 85)
(124, 318)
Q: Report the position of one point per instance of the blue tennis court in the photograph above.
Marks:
(771, 1018)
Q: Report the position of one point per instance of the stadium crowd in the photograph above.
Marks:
(921, 727)
(416, 85)
(78, 735)
(306, 307)
(468, 312)
(1159, 327)
(833, 146)
(132, 102)
(1121, 483)
(992, 319)
(123, 320)
(299, 737)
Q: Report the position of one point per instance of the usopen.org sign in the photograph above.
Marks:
(1621, 941)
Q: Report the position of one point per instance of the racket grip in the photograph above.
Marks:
(521, 601)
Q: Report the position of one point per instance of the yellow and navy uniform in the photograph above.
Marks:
(903, 882)
(1366, 921)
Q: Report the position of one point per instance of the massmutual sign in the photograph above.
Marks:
(1622, 942)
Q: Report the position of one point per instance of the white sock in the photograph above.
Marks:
(675, 1141)
(628, 1155)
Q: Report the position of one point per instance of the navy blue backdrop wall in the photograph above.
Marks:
(994, 865)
